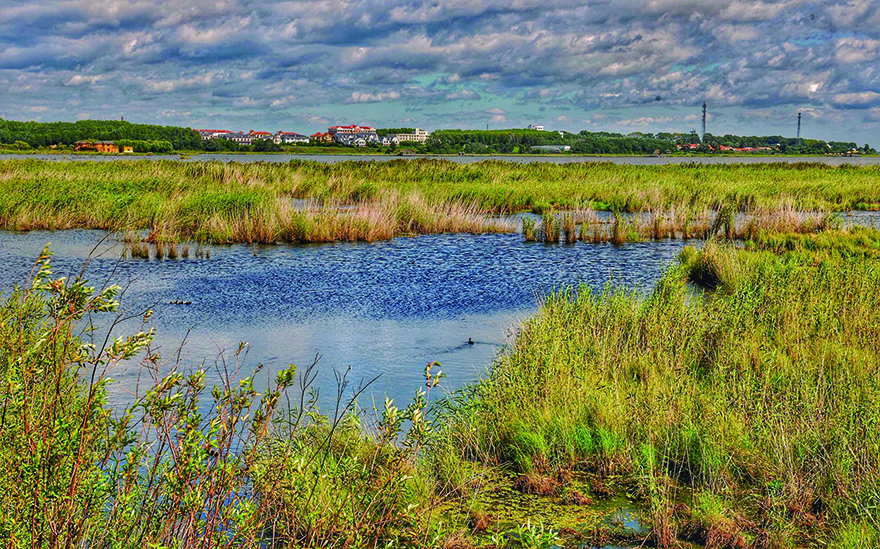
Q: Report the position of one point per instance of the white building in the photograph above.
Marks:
(289, 137)
(240, 138)
(539, 127)
(211, 134)
(351, 129)
(419, 136)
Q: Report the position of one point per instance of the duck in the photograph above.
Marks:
(470, 341)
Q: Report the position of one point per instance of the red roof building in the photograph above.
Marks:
(353, 128)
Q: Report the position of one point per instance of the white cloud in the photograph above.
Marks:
(859, 98)
(854, 50)
(84, 80)
(363, 97)
(323, 56)
(463, 95)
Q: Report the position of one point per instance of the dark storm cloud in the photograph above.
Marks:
(466, 62)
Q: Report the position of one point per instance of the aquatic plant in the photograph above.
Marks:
(550, 227)
(569, 228)
(736, 400)
(617, 230)
(528, 229)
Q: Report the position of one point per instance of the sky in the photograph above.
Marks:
(624, 66)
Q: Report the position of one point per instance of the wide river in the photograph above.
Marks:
(384, 309)
(561, 159)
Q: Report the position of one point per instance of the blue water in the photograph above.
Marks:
(384, 309)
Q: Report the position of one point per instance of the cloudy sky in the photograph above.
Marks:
(622, 65)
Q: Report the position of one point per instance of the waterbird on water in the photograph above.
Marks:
(470, 341)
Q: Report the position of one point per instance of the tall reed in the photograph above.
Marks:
(550, 227)
(569, 228)
(528, 229)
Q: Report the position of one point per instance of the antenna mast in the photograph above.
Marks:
(799, 128)
(703, 137)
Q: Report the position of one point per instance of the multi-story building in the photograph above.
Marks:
(418, 136)
(211, 134)
(352, 129)
(259, 135)
(321, 137)
(239, 138)
(289, 137)
(354, 139)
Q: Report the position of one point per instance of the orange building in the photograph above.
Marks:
(99, 146)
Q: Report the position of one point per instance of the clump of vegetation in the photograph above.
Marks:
(528, 229)
(756, 397)
(550, 227)
(569, 228)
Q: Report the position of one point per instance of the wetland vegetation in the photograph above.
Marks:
(314, 202)
(736, 404)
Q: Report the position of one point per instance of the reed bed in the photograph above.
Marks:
(653, 225)
(246, 202)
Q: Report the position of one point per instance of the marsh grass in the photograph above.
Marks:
(569, 228)
(756, 395)
(550, 227)
(528, 230)
(726, 224)
(221, 202)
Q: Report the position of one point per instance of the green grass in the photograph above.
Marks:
(222, 202)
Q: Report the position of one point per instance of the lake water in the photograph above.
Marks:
(384, 309)
(562, 159)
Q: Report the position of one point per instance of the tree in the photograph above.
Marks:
(266, 145)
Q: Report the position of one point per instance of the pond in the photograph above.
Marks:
(385, 309)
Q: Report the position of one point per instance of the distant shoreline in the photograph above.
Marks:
(354, 152)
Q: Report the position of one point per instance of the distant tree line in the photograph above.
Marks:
(44, 134)
(521, 141)
(150, 138)
(153, 146)
(791, 145)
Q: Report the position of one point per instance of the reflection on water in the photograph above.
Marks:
(382, 308)
(636, 160)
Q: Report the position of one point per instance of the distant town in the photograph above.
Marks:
(121, 136)
(350, 136)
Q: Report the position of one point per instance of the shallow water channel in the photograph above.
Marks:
(553, 159)
(384, 308)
